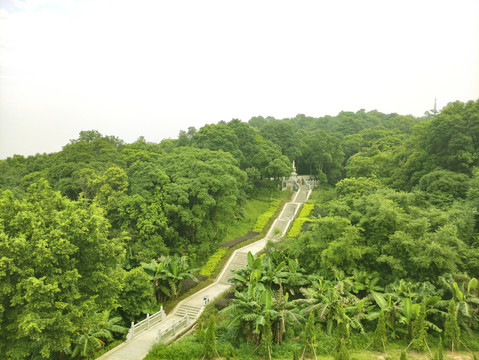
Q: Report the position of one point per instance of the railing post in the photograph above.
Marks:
(132, 329)
(147, 321)
(162, 313)
(187, 320)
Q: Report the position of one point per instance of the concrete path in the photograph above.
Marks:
(139, 346)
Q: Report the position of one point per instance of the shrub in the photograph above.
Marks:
(301, 219)
(343, 353)
(213, 261)
(184, 349)
(264, 218)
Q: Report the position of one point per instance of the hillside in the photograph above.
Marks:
(387, 257)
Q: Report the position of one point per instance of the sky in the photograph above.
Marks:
(153, 68)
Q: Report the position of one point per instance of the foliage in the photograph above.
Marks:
(264, 218)
(343, 352)
(300, 220)
(398, 242)
(136, 290)
(420, 330)
(213, 261)
(168, 275)
(185, 349)
(379, 337)
(267, 335)
(451, 327)
(440, 350)
(58, 268)
(309, 337)
(210, 339)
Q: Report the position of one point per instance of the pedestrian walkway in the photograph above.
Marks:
(185, 314)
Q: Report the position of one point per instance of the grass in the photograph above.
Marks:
(252, 210)
(322, 195)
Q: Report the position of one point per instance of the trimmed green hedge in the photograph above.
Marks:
(264, 218)
(300, 220)
(213, 261)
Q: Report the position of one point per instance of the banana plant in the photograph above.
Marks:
(402, 311)
(168, 275)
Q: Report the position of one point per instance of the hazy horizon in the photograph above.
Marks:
(153, 68)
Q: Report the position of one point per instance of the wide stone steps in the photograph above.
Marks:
(302, 194)
(239, 261)
(190, 310)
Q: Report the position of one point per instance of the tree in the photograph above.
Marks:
(218, 137)
(282, 134)
(58, 265)
(136, 290)
(205, 191)
(267, 335)
(309, 335)
(168, 275)
(102, 329)
(440, 350)
(210, 339)
(420, 330)
(379, 337)
(451, 328)
(321, 154)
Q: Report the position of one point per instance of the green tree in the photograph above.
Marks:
(210, 339)
(379, 337)
(58, 265)
(168, 275)
(420, 330)
(440, 350)
(267, 335)
(136, 290)
(205, 192)
(96, 336)
(310, 335)
(451, 327)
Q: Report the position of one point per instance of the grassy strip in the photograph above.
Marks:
(300, 220)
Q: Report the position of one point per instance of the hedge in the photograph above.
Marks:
(300, 220)
(264, 218)
(213, 261)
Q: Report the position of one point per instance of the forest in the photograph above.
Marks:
(384, 256)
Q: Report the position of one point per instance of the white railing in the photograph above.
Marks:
(173, 329)
(143, 325)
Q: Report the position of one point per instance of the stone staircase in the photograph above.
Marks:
(187, 309)
(302, 194)
(239, 261)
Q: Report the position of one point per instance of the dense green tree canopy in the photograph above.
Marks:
(90, 235)
(58, 265)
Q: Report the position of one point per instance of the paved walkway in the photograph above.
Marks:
(139, 346)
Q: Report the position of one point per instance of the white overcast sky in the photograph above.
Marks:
(153, 68)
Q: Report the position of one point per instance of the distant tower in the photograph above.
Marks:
(434, 111)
